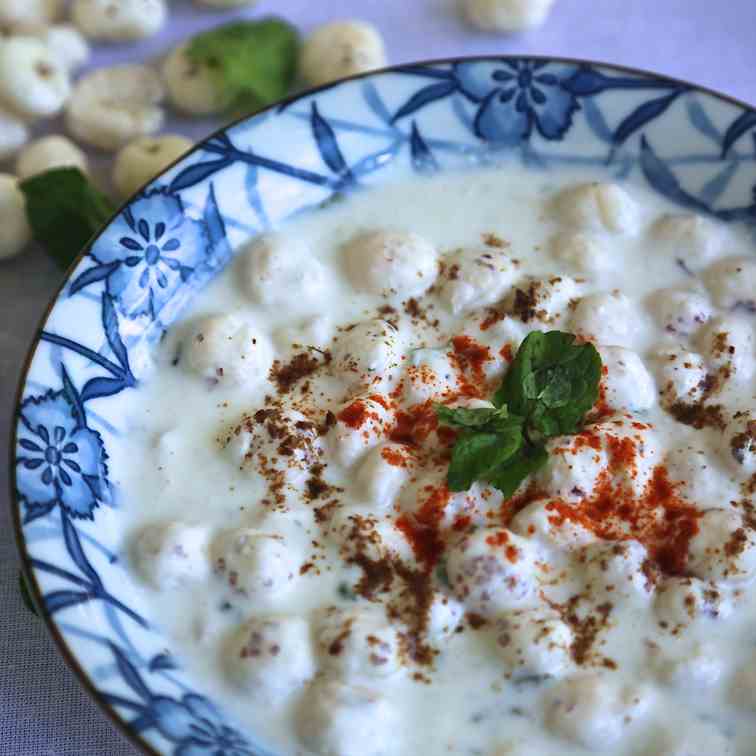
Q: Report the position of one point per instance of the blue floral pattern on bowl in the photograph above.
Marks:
(692, 147)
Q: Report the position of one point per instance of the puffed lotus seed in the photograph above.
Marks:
(225, 3)
(342, 48)
(111, 106)
(506, 15)
(13, 134)
(15, 233)
(119, 20)
(19, 14)
(66, 43)
(143, 159)
(47, 153)
(32, 80)
(192, 87)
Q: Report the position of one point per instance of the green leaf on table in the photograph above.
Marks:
(64, 211)
(254, 62)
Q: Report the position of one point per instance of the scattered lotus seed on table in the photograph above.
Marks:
(33, 82)
(119, 20)
(340, 49)
(21, 13)
(142, 160)
(50, 152)
(506, 15)
(14, 228)
(13, 134)
(111, 106)
(225, 3)
(192, 87)
(66, 43)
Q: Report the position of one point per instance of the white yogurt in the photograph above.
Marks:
(285, 479)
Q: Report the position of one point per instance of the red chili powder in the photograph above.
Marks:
(506, 352)
(662, 521)
(447, 436)
(461, 522)
(601, 409)
(471, 355)
(492, 318)
(622, 453)
(499, 539)
(422, 529)
(586, 438)
(415, 425)
(354, 415)
(394, 457)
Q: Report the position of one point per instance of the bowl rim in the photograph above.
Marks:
(70, 659)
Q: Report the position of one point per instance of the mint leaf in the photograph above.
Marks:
(546, 392)
(476, 455)
(64, 211)
(462, 417)
(508, 476)
(552, 382)
(254, 62)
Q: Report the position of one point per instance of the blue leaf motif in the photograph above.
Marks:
(423, 160)
(76, 552)
(424, 97)
(595, 119)
(220, 140)
(33, 510)
(162, 661)
(642, 115)
(197, 173)
(142, 722)
(327, 144)
(112, 334)
(129, 674)
(376, 160)
(744, 122)
(700, 119)
(216, 229)
(713, 189)
(458, 106)
(253, 195)
(375, 101)
(587, 81)
(97, 388)
(72, 395)
(59, 600)
(661, 178)
(98, 273)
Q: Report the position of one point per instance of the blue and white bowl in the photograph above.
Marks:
(694, 147)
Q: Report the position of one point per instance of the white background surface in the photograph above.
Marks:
(42, 709)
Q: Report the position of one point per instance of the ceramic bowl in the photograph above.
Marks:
(693, 147)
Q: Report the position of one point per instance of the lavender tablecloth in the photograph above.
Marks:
(42, 709)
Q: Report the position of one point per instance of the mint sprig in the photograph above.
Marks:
(65, 210)
(253, 63)
(548, 389)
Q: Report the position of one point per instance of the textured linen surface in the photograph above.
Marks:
(43, 711)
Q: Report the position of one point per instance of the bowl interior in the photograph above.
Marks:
(693, 147)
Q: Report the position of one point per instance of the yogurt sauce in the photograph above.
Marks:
(285, 479)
